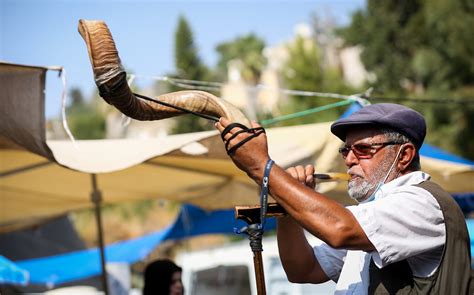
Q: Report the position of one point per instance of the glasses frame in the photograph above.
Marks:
(344, 151)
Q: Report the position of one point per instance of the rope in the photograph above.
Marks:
(304, 113)
(209, 86)
(62, 74)
(205, 85)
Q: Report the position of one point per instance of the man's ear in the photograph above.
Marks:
(406, 156)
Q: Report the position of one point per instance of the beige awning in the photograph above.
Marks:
(41, 179)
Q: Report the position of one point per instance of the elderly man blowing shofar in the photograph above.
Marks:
(406, 236)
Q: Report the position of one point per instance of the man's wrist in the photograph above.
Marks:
(257, 173)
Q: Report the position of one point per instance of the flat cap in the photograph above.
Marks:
(394, 116)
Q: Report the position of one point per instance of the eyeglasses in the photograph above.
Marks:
(365, 150)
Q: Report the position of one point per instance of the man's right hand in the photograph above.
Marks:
(303, 174)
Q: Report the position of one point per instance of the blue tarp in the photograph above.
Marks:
(191, 221)
(470, 228)
(10, 273)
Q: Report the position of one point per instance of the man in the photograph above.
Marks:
(407, 236)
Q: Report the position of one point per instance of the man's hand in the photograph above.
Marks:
(250, 156)
(303, 174)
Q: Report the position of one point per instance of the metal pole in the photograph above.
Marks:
(96, 198)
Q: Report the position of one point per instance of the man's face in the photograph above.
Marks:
(367, 171)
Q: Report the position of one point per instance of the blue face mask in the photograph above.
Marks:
(379, 185)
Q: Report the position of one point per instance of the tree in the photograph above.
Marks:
(422, 48)
(249, 50)
(304, 70)
(388, 31)
(188, 66)
(84, 118)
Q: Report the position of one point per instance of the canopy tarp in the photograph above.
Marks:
(191, 168)
(10, 273)
(42, 178)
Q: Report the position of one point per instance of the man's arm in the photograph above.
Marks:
(318, 214)
(296, 254)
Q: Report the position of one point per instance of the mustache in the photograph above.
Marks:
(353, 173)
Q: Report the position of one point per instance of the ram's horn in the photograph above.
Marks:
(110, 78)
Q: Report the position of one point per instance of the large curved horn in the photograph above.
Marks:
(110, 78)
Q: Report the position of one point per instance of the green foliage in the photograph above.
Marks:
(388, 31)
(187, 62)
(188, 66)
(422, 48)
(304, 71)
(84, 118)
(249, 50)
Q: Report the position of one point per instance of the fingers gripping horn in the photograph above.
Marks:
(110, 78)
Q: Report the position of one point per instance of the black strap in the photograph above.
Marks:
(231, 126)
(254, 131)
(232, 150)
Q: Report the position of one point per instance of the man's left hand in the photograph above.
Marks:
(251, 156)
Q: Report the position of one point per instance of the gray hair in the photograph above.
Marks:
(392, 135)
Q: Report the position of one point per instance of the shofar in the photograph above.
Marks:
(110, 78)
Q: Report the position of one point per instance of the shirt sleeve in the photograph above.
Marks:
(403, 224)
(331, 260)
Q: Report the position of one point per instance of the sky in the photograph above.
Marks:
(44, 33)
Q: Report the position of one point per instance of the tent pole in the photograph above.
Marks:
(96, 198)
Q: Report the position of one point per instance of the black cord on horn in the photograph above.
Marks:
(205, 116)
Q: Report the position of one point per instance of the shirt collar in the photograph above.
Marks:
(411, 178)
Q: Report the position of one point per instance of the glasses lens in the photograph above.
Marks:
(362, 150)
(344, 151)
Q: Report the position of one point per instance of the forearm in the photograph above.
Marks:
(321, 216)
(296, 253)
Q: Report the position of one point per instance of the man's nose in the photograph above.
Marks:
(351, 159)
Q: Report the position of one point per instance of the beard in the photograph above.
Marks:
(361, 187)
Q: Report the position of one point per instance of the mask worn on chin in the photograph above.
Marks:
(379, 185)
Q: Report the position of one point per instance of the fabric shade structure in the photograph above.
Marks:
(42, 178)
(189, 168)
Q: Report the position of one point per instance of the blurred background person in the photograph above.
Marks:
(163, 277)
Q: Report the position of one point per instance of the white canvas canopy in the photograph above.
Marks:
(42, 178)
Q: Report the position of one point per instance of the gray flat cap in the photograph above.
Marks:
(397, 117)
